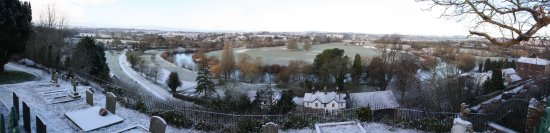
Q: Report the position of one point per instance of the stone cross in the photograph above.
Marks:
(111, 102)
(157, 125)
(40, 125)
(26, 117)
(90, 97)
(464, 112)
(75, 83)
(270, 128)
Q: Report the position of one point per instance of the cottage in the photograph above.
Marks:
(510, 76)
(328, 101)
(532, 67)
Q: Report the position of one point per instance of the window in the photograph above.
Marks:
(332, 104)
(315, 104)
(307, 104)
(325, 105)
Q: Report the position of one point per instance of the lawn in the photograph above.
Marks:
(280, 55)
(11, 77)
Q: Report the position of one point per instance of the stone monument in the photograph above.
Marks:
(111, 102)
(73, 93)
(157, 125)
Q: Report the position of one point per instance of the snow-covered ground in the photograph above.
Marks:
(376, 99)
(369, 127)
(32, 92)
(154, 89)
(499, 97)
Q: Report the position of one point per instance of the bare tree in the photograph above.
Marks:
(514, 20)
(47, 45)
(227, 64)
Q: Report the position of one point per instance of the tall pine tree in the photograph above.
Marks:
(204, 82)
(173, 81)
(15, 28)
(356, 69)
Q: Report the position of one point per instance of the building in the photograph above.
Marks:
(328, 101)
(532, 67)
(510, 76)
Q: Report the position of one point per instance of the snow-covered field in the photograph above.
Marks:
(369, 128)
(376, 99)
(280, 55)
(53, 114)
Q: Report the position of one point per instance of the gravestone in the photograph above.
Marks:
(111, 102)
(16, 103)
(2, 124)
(270, 128)
(157, 125)
(90, 97)
(40, 125)
(73, 93)
(26, 118)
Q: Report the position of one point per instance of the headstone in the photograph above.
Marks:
(111, 102)
(461, 126)
(90, 97)
(157, 125)
(40, 125)
(16, 103)
(270, 128)
(26, 118)
(2, 124)
(73, 93)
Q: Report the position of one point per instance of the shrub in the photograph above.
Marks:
(174, 118)
(364, 114)
(249, 126)
(203, 126)
(295, 122)
(140, 106)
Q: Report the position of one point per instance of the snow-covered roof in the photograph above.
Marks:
(324, 97)
(376, 100)
(515, 77)
(536, 61)
(508, 71)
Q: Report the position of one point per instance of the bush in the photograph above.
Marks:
(203, 126)
(364, 114)
(174, 118)
(249, 126)
(295, 122)
(140, 106)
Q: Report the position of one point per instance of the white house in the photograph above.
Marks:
(329, 101)
(510, 76)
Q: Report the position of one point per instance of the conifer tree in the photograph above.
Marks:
(356, 69)
(173, 81)
(204, 80)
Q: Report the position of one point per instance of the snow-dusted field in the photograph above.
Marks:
(53, 114)
(375, 99)
(369, 127)
(280, 55)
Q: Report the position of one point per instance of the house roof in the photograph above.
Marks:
(535, 61)
(324, 97)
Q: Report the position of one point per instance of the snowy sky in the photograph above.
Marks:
(365, 16)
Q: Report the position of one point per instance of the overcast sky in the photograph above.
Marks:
(364, 16)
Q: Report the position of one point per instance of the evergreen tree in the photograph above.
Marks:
(285, 104)
(173, 81)
(90, 58)
(15, 28)
(496, 82)
(487, 66)
(356, 69)
(204, 82)
(13, 124)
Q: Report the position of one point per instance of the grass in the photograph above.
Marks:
(11, 77)
(280, 55)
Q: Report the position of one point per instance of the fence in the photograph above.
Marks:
(400, 117)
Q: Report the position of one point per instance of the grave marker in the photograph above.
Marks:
(270, 128)
(2, 124)
(157, 125)
(111, 102)
(40, 126)
(26, 118)
(16, 103)
(90, 97)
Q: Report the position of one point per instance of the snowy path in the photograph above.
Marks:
(53, 114)
(154, 89)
